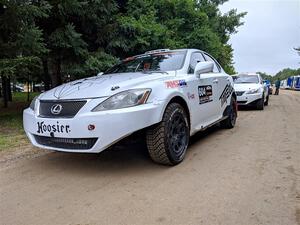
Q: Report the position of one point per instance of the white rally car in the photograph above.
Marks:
(171, 94)
(251, 90)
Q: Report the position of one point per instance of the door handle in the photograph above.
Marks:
(215, 81)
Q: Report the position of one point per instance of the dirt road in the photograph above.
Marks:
(248, 175)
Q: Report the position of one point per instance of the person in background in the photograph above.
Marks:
(277, 86)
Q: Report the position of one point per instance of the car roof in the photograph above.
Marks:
(171, 50)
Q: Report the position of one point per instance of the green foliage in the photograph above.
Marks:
(266, 77)
(21, 65)
(21, 41)
(66, 41)
(78, 38)
(281, 75)
(285, 73)
(98, 60)
(147, 25)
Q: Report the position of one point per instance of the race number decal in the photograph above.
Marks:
(226, 94)
(205, 94)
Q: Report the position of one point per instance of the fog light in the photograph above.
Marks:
(91, 127)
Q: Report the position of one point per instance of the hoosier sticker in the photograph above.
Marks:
(55, 128)
(205, 94)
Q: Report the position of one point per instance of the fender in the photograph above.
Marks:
(170, 97)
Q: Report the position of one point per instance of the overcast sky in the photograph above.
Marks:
(265, 42)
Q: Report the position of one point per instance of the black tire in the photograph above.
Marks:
(267, 101)
(232, 115)
(167, 141)
(260, 104)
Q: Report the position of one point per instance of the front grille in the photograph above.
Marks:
(239, 93)
(68, 108)
(66, 143)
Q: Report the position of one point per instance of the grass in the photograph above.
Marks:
(11, 122)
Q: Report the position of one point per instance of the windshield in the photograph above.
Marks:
(241, 79)
(163, 61)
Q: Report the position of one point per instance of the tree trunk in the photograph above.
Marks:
(1, 90)
(56, 75)
(4, 91)
(46, 78)
(9, 90)
(28, 90)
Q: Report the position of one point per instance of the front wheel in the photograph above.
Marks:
(167, 141)
(260, 104)
(232, 115)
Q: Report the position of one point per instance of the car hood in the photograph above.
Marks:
(246, 86)
(102, 86)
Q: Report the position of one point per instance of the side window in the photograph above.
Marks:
(195, 58)
(217, 68)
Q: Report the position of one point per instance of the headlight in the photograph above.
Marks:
(253, 91)
(124, 99)
(32, 104)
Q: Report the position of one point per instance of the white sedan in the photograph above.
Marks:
(251, 90)
(172, 94)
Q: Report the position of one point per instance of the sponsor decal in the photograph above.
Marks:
(191, 96)
(175, 83)
(205, 94)
(56, 128)
(226, 94)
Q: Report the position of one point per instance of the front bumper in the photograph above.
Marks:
(109, 126)
(248, 99)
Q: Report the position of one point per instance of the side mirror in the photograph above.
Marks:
(203, 67)
(99, 74)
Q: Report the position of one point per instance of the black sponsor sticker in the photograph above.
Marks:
(226, 94)
(205, 94)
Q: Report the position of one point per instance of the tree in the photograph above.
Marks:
(146, 25)
(20, 40)
(266, 76)
(55, 41)
(74, 32)
(285, 73)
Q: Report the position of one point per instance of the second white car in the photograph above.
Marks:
(251, 90)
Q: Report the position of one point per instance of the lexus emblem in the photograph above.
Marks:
(56, 109)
